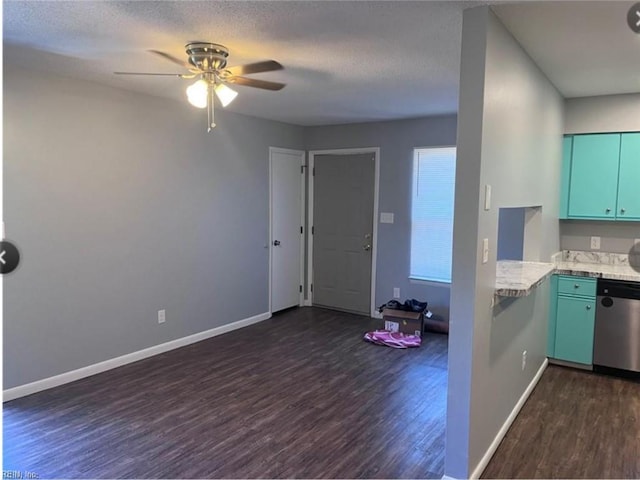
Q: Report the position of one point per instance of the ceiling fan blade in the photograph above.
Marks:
(173, 59)
(252, 82)
(259, 67)
(181, 75)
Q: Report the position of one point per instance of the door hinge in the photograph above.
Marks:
(301, 230)
(300, 288)
(314, 171)
(302, 169)
(312, 287)
(313, 230)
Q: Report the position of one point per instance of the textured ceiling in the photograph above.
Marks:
(585, 48)
(344, 61)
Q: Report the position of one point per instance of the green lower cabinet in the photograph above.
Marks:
(572, 319)
(575, 321)
(553, 309)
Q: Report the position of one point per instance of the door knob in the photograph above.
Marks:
(276, 242)
(367, 247)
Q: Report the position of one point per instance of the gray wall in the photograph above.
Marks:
(122, 205)
(509, 136)
(396, 141)
(611, 113)
(510, 234)
(607, 113)
(617, 237)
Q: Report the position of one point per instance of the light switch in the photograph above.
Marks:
(485, 250)
(386, 217)
(487, 197)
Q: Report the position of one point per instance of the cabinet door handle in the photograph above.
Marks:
(576, 286)
(588, 307)
(622, 210)
(608, 210)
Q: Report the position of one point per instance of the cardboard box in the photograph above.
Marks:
(403, 321)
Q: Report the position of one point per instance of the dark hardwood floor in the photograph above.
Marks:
(575, 424)
(298, 396)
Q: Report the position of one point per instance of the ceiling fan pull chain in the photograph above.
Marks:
(212, 123)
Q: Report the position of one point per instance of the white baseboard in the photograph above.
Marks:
(67, 377)
(307, 303)
(505, 427)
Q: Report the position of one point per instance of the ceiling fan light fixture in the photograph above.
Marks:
(208, 62)
(225, 94)
(197, 93)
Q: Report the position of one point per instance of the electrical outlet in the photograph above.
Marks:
(595, 243)
(524, 360)
(485, 250)
(162, 316)
(396, 292)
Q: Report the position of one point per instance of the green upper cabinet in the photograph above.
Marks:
(628, 207)
(567, 146)
(600, 177)
(593, 184)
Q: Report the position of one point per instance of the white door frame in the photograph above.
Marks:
(374, 248)
(273, 150)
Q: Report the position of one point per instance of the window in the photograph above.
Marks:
(432, 213)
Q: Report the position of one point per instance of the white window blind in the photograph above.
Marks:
(432, 213)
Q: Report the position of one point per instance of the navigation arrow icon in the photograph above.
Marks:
(9, 257)
(633, 17)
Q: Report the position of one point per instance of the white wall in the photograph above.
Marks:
(607, 113)
(510, 126)
(121, 205)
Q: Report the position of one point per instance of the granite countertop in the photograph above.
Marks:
(613, 272)
(518, 279)
(613, 266)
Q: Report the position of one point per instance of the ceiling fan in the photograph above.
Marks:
(208, 62)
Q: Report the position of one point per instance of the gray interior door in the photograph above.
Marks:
(343, 231)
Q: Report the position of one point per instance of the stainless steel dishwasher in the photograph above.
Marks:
(617, 332)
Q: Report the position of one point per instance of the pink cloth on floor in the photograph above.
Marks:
(393, 339)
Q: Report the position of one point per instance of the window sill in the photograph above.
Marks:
(433, 283)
